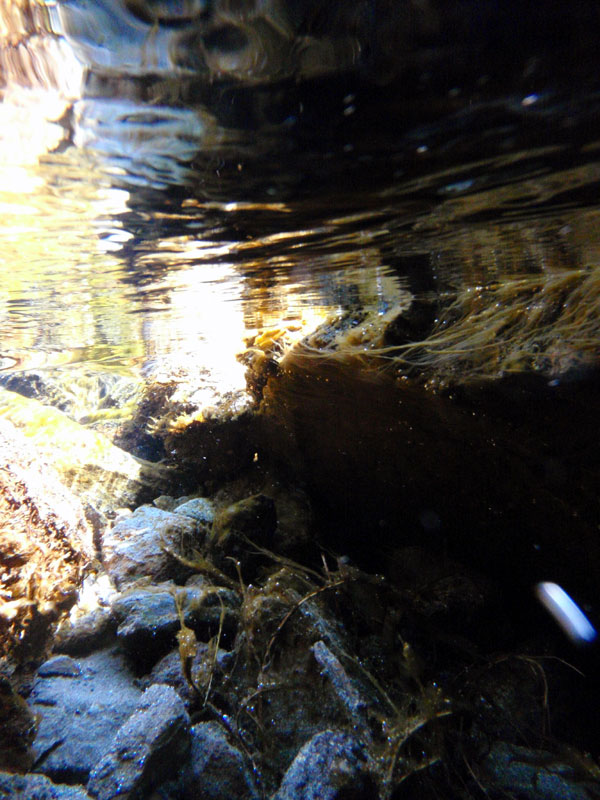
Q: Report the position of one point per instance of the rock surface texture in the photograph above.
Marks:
(217, 770)
(309, 683)
(80, 704)
(331, 766)
(147, 749)
(138, 545)
(45, 544)
(37, 787)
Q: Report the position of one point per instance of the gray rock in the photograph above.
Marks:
(135, 547)
(331, 766)
(147, 749)
(202, 670)
(203, 603)
(299, 696)
(37, 787)
(199, 508)
(89, 632)
(342, 684)
(79, 712)
(149, 619)
(59, 666)
(533, 774)
(165, 502)
(217, 770)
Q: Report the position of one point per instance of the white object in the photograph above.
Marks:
(566, 612)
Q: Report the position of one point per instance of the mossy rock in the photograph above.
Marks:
(101, 474)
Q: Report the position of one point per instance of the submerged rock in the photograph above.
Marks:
(332, 766)
(239, 528)
(299, 687)
(199, 508)
(87, 633)
(204, 671)
(99, 473)
(45, 546)
(86, 395)
(80, 704)
(147, 749)
(217, 770)
(138, 546)
(37, 787)
(348, 692)
(150, 617)
(535, 775)
(253, 517)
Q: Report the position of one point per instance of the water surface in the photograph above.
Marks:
(154, 236)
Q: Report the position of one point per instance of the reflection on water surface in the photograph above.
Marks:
(157, 215)
(122, 251)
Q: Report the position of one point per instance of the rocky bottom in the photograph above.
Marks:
(297, 626)
(237, 659)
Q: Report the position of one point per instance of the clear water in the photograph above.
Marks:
(153, 226)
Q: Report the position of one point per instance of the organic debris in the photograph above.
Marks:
(547, 323)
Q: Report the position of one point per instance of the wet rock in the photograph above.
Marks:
(147, 749)
(86, 396)
(61, 666)
(37, 787)
(206, 669)
(342, 684)
(79, 704)
(148, 622)
(45, 545)
(91, 631)
(217, 769)
(294, 535)
(534, 775)
(302, 688)
(253, 517)
(331, 766)
(149, 617)
(137, 546)
(199, 508)
(165, 502)
(99, 473)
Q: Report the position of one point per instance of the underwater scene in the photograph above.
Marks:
(299, 399)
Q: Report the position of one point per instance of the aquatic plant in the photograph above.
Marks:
(547, 323)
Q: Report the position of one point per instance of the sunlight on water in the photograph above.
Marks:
(153, 223)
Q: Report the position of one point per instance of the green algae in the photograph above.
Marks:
(86, 461)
